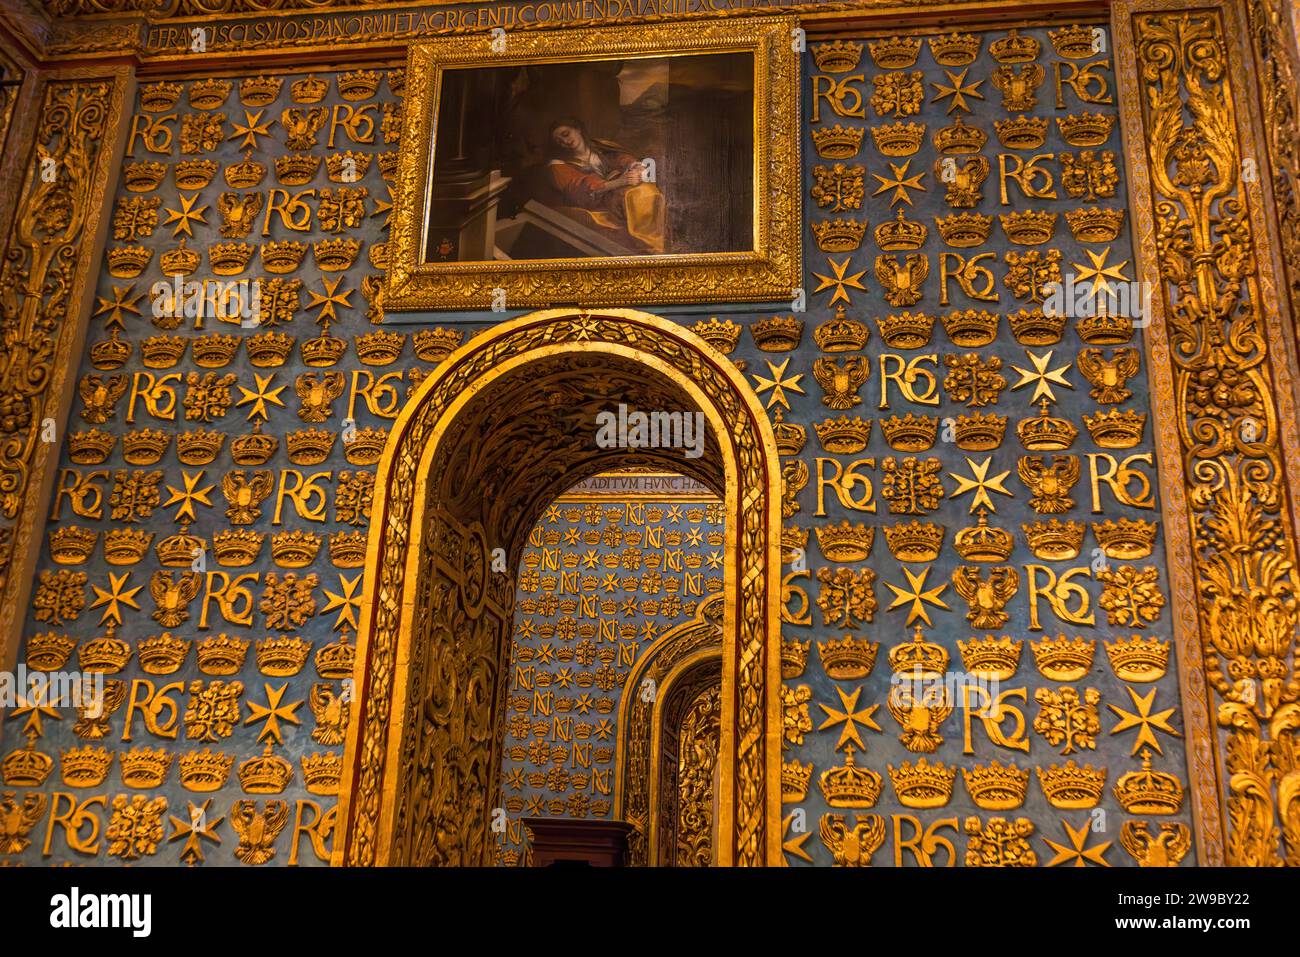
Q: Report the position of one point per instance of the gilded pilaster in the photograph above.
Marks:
(1217, 360)
(46, 277)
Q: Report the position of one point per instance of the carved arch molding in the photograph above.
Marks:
(496, 433)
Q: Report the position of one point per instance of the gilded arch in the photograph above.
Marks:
(445, 494)
(681, 663)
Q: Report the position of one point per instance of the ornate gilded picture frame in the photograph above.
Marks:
(640, 165)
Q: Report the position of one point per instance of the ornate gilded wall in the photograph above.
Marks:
(1087, 524)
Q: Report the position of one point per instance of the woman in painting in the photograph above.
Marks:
(601, 185)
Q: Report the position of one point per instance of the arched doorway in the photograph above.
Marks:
(669, 743)
(498, 430)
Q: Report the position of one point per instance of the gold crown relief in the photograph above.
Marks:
(991, 658)
(214, 350)
(144, 767)
(997, 787)
(1095, 224)
(1075, 42)
(348, 549)
(434, 345)
(1072, 786)
(983, 542)
(1138, 658)
(790, 436)
(335, 660)
(107, 654)
(85, 766)
(268, 350)
(906, 331)
(310, 89)
(898, 138)
(366, 446)
(1054, 540)
(71, 544)
(142, 177)
(1116, 428)
(126, 546)
(26, 767)
(295, 549)
(199, 446)
(955, 49)
(910, 433)
(1033, 327)
(1085, 129)
(179, 261)
(209, 94)
(794, 657)
(923, 784)
(127, 262)
(842, 435)
(794, 780)
(282, 256)
(259, 90)
(850, 785)
(221, 655)
(162, 654)
(959, 138)
(1021, 132)
(1105, 329)
(111, 353)
(237, 547)
(322, 772)
(971, 327)
(49, 651)
(1015, 48)
(964, 230)
(1062, 658)
(179, 550)
(777, 333)
(254, 448)
(846, 542)
(1125, 538)
(335, 255)
(347, 166)
(245, 174)
(90, 447)
(839, 235)
(309, 446)
(900, 233)
(918, 659)
(895, 53)
(914, 541)
(194, 174)
(359, 84)
(281, 657)
(841, 334)
(163, 352)
(838, 56)
(229, 259)
(978, 432)
(266, 773)
(379, 348)
(205, 771)
(837, 142)
(296, 169)
(1028, 228)
(1046, 432)
(848, 658)
(159, 97)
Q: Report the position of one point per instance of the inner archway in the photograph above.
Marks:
(495, 433)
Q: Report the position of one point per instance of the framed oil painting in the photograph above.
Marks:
(599, 166)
